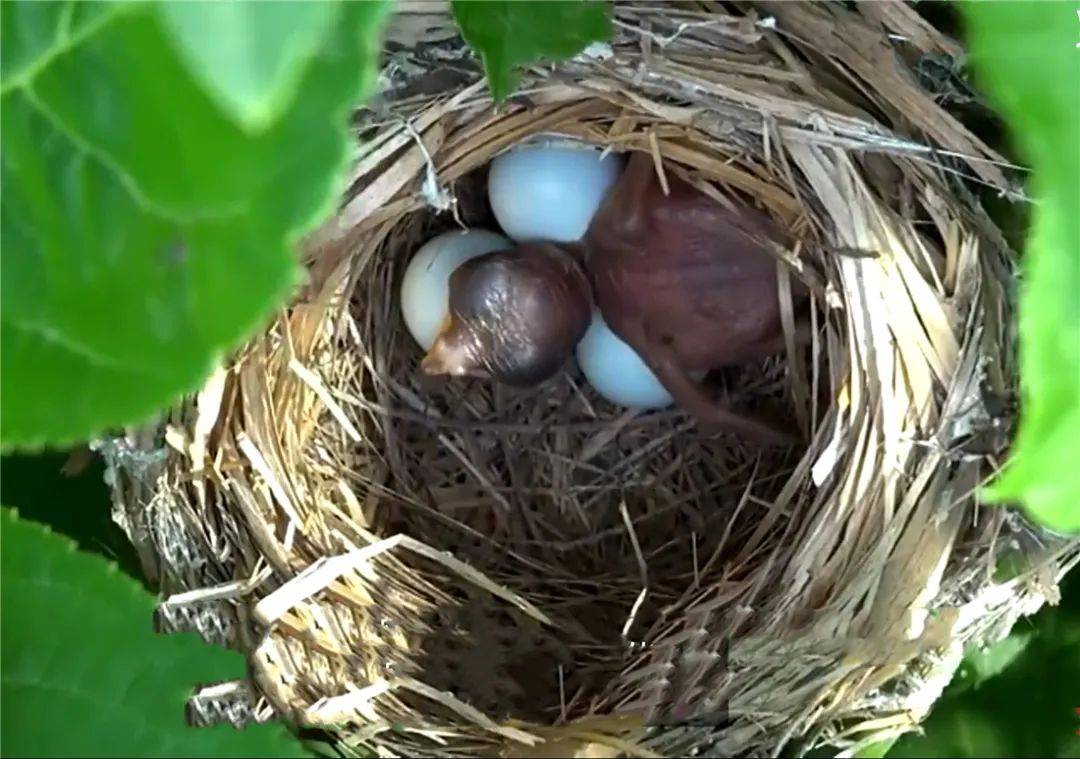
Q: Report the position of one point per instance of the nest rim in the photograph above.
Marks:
(312, 415)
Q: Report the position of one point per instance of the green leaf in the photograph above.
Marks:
(979, 666)
(144, 230)
(512, 33)
(1026, 56)
(1010, 564)
(84, 675)
(876, 750)
(961, 730)
(27, 31)
(250, 56)
(1025, 700)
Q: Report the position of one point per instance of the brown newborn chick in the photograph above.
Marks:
(688, 285)
(515, 315)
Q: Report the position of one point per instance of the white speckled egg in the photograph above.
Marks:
(550, 189)
(425, 289)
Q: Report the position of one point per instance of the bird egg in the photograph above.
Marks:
(616, 370)
(550, 190)
(425, 289)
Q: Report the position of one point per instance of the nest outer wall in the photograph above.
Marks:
(423, 567)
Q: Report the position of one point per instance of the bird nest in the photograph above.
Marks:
(422, 566)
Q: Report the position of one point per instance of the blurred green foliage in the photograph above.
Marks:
(1016, 699)
(1026, 57)
(251, 57)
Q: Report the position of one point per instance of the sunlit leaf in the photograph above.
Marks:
(144, 230)
(982, 665)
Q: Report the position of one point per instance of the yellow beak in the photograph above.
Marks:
(437, 360)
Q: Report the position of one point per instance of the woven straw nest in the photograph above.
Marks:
(426, 567)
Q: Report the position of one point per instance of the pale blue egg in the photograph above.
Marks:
(425, 289)
(550, 189)
(616, 370)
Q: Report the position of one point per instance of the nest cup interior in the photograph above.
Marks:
(568, 500)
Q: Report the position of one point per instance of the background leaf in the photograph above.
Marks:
(511, 33)
(84, 675)
(979, 666)
(1025, 696)
(1026, 57)
(144, 230)
(876, 750)
(77, 504)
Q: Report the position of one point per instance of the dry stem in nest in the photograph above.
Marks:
(453, 567)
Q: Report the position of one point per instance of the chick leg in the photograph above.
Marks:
(662, 360)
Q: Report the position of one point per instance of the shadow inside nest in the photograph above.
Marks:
(562, 497)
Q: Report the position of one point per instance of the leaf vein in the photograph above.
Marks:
(66, 42)
(58, 339)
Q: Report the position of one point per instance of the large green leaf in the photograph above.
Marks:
(1025, 55)
(82, 672)
(146, 227)
(249, 55)
(512, 33)
(27, 32)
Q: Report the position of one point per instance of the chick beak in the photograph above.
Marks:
(447, 354)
